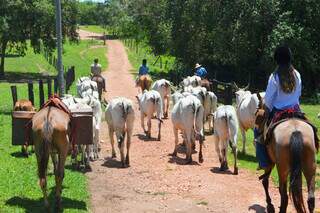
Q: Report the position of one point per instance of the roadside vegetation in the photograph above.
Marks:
(19, 187)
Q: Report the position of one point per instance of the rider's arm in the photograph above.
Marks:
(270, 92)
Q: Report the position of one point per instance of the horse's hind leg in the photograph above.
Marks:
(283, 176)
(60, 174)
(265, 183)
(309, 173)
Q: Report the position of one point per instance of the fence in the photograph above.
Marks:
(69, 76)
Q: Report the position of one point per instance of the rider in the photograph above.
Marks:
(96, 70)
(282, 93)
(200, 71)
(144, 69)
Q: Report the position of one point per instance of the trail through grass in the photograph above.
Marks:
(19, 189)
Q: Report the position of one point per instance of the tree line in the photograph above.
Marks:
(234, 39)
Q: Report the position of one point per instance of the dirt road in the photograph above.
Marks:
(156, 182)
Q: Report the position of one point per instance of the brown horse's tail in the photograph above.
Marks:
(47, 131)
(296, 147)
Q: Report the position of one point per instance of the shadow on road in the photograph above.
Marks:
(145, 138)
(216, 170)
(112, 163)
(257, 208)
(181, 161)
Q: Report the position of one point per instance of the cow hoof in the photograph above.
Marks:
(189, 161)
(159, 138)
(270, 208)
(113, 155)
(127, 161)
(235, 172)
(174, 154)
(200, 159)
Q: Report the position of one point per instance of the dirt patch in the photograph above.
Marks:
(156, 182)
(86, 35)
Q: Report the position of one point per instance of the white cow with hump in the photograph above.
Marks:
(150, 102)
(187, 116)
(225, 132)
(246, 104)
(120, 118)
(163, 86)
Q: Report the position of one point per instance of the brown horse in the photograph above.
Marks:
(24, 105)
(144, 82)
(292, 149)
(100, 83)
(205, 83)
(50, 128)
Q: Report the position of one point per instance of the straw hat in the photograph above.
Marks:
(197, 65)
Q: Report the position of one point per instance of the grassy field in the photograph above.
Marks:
(19, 187)
(137, 53)
(93, 28)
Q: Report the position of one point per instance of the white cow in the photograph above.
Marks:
(150, 102)
(247, 105)
(90, 151)
(120, 119)
(178, 95)
(208, 101)
(225, 132)
(164, 88)
(187, 116)
(193, 81)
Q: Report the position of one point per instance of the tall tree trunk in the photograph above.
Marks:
(3, 54)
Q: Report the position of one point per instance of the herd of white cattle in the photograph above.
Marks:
(193, 107)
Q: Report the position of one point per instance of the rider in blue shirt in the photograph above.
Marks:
(144, 69)
(200, 71)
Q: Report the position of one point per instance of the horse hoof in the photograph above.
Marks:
(270, 208)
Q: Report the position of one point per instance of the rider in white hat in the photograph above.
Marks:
(200, 71)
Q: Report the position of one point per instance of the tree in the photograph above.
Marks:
(35, 21)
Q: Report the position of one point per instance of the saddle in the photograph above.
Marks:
(283, 116)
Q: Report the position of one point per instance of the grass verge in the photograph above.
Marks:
(19, 187)
(93, 28)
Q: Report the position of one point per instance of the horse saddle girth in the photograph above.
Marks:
(285, 116)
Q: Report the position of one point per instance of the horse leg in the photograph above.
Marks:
(284, 196)
(176, 141)
(243, 134)
(42, 154)
(309, 172)
(112, 142)
(283, 169)
(55, 162)
(60, 174)
(265, 183)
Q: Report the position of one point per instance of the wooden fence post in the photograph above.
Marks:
(55, 85)
(49, 82)
(41, 92)
(14, 94)
(30, 92)
(228, 95)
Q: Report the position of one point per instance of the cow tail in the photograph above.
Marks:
(196, 120)
(47, 131)
(227, 117)
(295, 187)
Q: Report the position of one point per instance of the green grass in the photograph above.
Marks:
(137, 53)
(249, 161)
(19, 189)
(93, 28)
